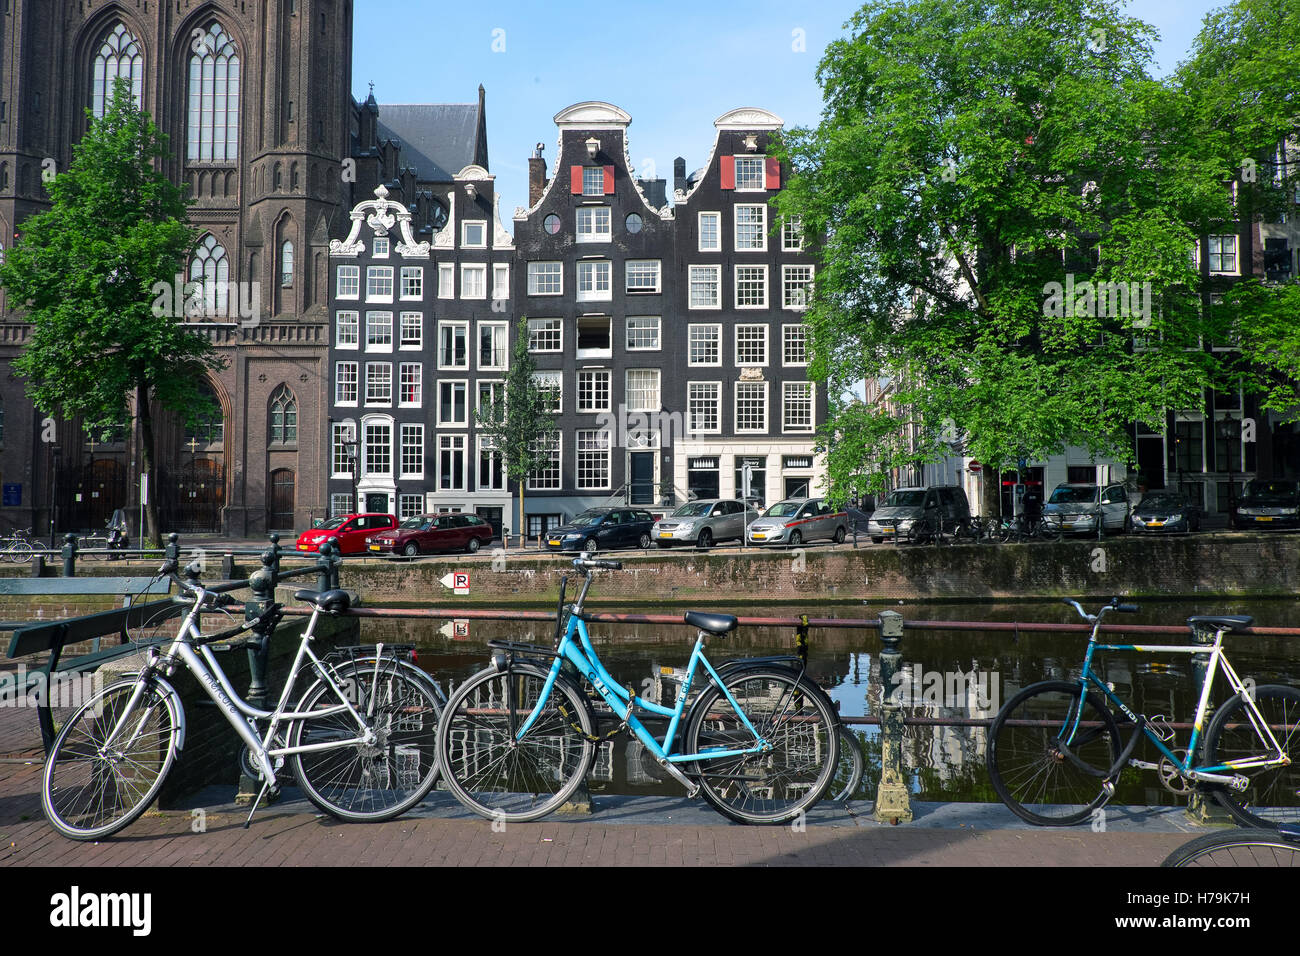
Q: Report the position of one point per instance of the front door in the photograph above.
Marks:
(280, 511)
(492, 516)
(377, 502)
(642, 470)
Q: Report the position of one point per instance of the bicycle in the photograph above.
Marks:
(363, 754)
(760, 743)
(1240, 848)
(1054, 750)
(17, 547)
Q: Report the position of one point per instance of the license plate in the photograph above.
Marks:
(303, 547)
(1155, 524)
(1263, 517)
(374, 547)
(758, 536)
(555, 542)
(665, 534)
(1067, 525)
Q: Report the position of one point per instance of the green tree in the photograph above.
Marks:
(84, 272)
(980, 169)
(519, 422)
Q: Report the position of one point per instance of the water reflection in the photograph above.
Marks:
(948, 674)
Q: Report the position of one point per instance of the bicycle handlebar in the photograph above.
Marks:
(1114, 605)
(591, 564)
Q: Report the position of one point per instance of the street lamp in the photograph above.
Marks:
(1228, 431)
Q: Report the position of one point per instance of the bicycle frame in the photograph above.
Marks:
(575, 646)
(1209, 773)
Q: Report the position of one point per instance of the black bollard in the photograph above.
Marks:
(69, 555)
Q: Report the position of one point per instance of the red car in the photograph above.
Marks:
(427, 533)
(350, 531)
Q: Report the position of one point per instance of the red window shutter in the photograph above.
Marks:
(728, 172)
(575, 180)
(609, 180)
(773, 172)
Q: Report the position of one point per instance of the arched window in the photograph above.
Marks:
(118, 55)
(284, 417)
(286, 264)
(209, 426)
(210, 266)
(213, 97)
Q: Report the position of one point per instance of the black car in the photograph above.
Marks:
(602, 529)
(1163, 511)
(1268, 503)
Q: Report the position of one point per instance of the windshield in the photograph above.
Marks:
(1082, 495)
(415, 524)
(905, 499)
(782, 509)
(1259, 488)
(696, 509)
(587, 518)
(332, 524)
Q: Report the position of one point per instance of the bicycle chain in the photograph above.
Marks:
(622, 726)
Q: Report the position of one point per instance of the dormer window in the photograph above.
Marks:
(380, 247)
(474, 234)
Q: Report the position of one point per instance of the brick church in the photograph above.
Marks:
(256, 101)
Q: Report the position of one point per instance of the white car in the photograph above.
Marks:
(797, 520)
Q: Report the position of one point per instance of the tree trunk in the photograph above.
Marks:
(522, 530)
(144, 414)
(991, 491)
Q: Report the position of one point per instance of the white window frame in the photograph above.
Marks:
(486, 447)
(500, 280)
(473, 280)
(792, 235)
(380, 247)
(593, 180)
(554, 325)
(657, 404)
(410, 505)
(789, 334)
(596, 376)
(498, 330)
(412, 283)
(761, 162)
(416, 372)
(717, 230)
(341, 382)
(744, 331)
(443, 411)
(405, 429)
(449, 325)
(552, 483)
(598, 453)
(716, 328)
(354, 282)
(341, 432)
(787, 388)
(494, 385)
(736, 225)
(372, 376)
(536, 274)
(465, 226)
(552, 381)
(656, 324)
(691, 272)
(452, 444)
(654, 287)
(340, 503)
(363, 453)
(735, 278)
(736, 416)
(1236, 255)
(446, 280)
(597, 270)
(716, 400)
(587, 222)
(375, 330)
(378, 277)
(352, 342)
(407, 321)
(788, 285)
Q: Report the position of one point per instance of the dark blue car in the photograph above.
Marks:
(602, 529)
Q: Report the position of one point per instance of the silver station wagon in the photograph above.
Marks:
(704, 522)
(797, 520)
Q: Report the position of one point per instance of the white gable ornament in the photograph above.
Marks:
(381, 214)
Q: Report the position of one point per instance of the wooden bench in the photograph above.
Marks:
(51, 637)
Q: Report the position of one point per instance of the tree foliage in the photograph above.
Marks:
(84, 272)
(992, 178)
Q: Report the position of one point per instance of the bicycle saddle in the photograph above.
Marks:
(331, 602)
(713, 623)
(1229, 622)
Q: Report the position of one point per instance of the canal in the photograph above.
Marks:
(946, 674)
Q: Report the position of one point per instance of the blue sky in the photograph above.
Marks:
(674, 66)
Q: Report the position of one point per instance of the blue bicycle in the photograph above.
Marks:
(760, 742)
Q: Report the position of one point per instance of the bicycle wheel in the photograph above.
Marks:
(848, 770)
(1027, 766)
(1237, 848)
(369, 782)
(94, 786)
(796, 719)
(1271, 797)
(19, 551)
(494, 773)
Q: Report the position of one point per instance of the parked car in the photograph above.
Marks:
(428, 533)
(350, 531)
(1165, 512)
(1268, 503)
(905, 506)
(796, 520)
(601, 529)
(1076, 508)
(703, 522)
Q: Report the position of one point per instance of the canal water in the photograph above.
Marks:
(950, 674)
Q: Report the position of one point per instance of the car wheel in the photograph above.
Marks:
(590, 545)
(411, 550)
(473, 545)
(840, 534)
(877, 540)
(645, 540)
(796, 539)
(705, 540)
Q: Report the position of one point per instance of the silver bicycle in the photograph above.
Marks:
(360, 740)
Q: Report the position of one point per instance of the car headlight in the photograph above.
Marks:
(572, 536)
(1289, 511)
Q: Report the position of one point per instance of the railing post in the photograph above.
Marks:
(262, 584)
(172, 552)
(323, 567)
(276, 551)
(336, 564)
(1201, 807)
(892, 801)
(69, 555)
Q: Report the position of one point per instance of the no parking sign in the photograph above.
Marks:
(458, 581)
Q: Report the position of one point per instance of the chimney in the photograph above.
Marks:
(679, 174)
(536, 175)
